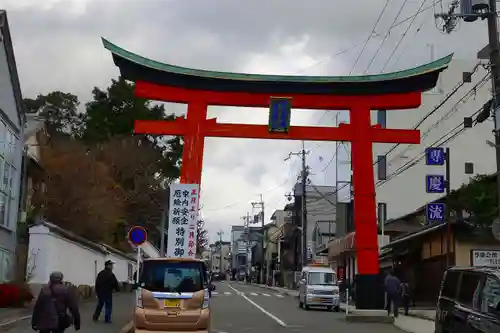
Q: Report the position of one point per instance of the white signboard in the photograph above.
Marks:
(182, 220)
(486, 258)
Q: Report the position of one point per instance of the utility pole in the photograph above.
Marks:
(246, 220)
(490, 14)
(449, 233)
(304, 175)
(220, 233)
(262, 217)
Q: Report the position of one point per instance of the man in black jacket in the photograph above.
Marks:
(105, 284)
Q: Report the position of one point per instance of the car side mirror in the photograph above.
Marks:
(303, 281)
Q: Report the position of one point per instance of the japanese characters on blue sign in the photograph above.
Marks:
(434, 156)
(434, 183)
(279, 114)
(435, 212)
(183, 216)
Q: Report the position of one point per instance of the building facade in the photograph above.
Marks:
(321, 208)
(220, 254)
(238, 247)
(11, 150)
(400, 175)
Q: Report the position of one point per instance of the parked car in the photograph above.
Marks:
(469, 301)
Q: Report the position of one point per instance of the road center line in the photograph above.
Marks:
(269, 314)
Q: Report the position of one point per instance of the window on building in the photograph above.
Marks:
(8, 174)
(382, 118)
(381, 212)
(130, 271)
(382, 167)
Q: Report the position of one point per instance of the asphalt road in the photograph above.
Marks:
(239, 308)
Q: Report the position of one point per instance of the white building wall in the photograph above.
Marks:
(406, 192)
(10, 160)
(49, 252)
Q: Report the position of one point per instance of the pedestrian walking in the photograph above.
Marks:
(50, 314)
(393, 293)
(105, 284)
(405, 295)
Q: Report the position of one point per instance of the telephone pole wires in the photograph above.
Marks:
(471, 13)
(260, 204)
(304, 177)
(220, 233)
(246, 220)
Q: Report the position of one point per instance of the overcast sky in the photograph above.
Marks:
(58, 47)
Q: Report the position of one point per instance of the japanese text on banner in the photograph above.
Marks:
(182, 220)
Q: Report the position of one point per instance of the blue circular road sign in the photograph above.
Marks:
(137, 235)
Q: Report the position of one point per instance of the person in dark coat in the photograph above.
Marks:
(105, 284)
(50, 314)
(393, 291)
(405, 296)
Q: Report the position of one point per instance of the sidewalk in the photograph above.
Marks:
(418, 321)
(123, 308)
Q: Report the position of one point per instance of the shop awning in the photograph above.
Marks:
(343, 244)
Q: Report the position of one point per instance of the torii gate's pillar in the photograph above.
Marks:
(365, 219)
(194, 143)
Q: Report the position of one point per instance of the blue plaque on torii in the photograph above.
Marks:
(279, 114)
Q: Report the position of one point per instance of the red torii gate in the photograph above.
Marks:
(199, 89)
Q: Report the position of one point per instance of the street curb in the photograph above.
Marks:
(128, 328)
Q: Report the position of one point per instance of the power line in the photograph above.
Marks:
(403, 36)
(333, 56)
(434, 110)
(408, 165)
(394, 25)
(388, 32)
(454, 109)
(371, 35)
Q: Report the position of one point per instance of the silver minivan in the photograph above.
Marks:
(318, 286)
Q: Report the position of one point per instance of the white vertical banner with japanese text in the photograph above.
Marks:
(182, 220)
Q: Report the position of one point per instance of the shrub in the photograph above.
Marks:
(14, 295)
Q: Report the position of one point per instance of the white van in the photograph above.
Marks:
(318, 286)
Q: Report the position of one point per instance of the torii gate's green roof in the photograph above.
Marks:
(137, 68)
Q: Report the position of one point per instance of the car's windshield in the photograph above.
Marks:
(322, 278)
(173, 276)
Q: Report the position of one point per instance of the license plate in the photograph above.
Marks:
(172, 303)
(317, 299)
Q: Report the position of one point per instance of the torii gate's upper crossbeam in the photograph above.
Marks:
(156, 92)
(210, 128)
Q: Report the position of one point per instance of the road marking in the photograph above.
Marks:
(269, 314)
(278, 295)
(254, 294)
(13, 321)
(227, 293)
(215, 293)
(266, 294)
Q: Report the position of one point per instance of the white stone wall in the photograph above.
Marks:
(49, 251)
